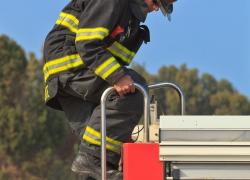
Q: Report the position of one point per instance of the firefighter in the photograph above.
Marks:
(87, 51)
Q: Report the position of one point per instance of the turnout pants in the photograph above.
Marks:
(79, 95)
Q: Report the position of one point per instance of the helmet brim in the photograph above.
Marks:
(166, 7)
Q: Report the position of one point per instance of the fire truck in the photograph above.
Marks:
(183, 147)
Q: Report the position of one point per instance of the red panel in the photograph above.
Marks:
(141, 162)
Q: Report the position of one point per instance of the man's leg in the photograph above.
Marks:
(123, 114)
(78, 112)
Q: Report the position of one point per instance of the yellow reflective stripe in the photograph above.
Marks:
(61, 64)
(60, 60)
(89, 37)
(69, 21)
(98, 135)
(63, 68)
(110, 71)
(91, 33)
(107, 68)
(46, 92)
(105, 64)
(93, 141)
(98, 29)
(70, 16)
(122, 52)
(66, 24)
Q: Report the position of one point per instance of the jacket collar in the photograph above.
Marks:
(139, 8)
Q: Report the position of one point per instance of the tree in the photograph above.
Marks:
(31, 134)
(203, 93)
(12, 69)
(36, 140)
(225, 102)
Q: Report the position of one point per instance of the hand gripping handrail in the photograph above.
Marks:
(146, 116)
(103, 123)
(174, 86)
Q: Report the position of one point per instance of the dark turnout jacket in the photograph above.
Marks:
(101, 35)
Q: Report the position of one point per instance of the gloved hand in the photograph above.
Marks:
(124, 85)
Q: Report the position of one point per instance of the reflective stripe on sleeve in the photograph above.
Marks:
(107, 68)
(91, 33)
(69, 21)
(61, 64)
(122, 52)
(94, 137)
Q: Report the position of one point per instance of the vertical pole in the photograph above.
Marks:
(146, 112)
(103, 124)
(103, 132)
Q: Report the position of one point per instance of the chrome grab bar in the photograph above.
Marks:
(103, 123)
(146, 116)
(175, 87)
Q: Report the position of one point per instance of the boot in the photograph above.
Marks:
(84, 167)
(89, 167)
(114, 175)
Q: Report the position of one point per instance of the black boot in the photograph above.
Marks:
(114, 175)
(83, 166)
(89, 166)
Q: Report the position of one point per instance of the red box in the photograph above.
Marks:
(141, 162)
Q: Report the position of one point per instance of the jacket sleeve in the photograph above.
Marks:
(126, 50)
(97, 20)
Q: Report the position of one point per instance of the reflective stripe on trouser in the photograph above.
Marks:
(122, 52)
(94, 137)
(122, 113)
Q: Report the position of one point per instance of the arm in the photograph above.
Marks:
(98, 19)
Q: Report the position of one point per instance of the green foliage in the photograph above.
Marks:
(229, 103)
(203, 93)
(31, 134)
(36, 142)
(12, 68)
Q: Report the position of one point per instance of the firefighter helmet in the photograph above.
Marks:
(166, 7)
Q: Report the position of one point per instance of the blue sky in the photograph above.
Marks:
(212, 36)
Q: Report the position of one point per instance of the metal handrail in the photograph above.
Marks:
(103, 124)
(107, 92)
(174, 86)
